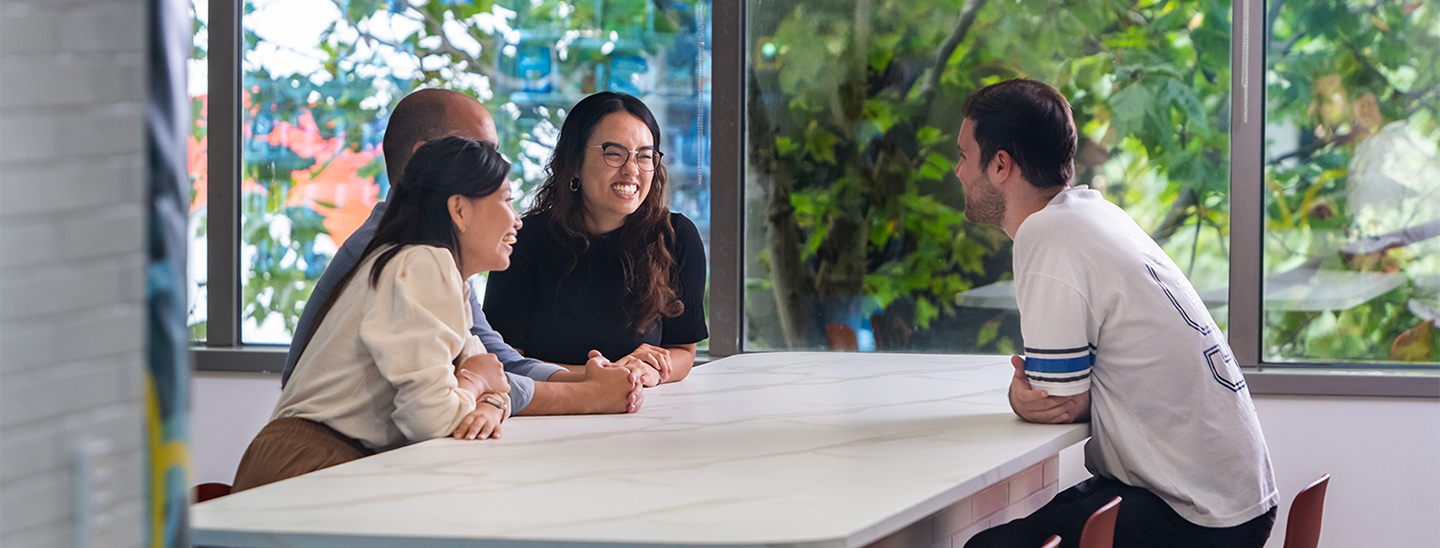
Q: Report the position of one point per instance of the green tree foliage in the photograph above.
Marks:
(855, 112)
(1354, 87)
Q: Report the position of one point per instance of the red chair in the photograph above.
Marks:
(1052, 542)
(1100, 528)
(1302, 528)
(207, 491)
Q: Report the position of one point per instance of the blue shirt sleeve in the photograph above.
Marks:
(522, 371)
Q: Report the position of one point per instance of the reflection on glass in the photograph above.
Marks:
(853, 217)
(1352, 260)
(197, 166)
(319, 81)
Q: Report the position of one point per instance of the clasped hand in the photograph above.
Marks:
(651, 362)
(1039, 406)
(618, 380)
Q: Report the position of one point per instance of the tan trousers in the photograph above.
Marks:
(289, 447)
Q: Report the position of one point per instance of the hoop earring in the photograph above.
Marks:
(574, 184)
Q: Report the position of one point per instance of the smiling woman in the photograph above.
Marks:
(602, 265)
(391, 359)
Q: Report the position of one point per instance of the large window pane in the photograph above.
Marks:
(321, 77)
(855, 235)
(197, 152)
(1352, 261)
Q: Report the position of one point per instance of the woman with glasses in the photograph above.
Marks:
(601, 264)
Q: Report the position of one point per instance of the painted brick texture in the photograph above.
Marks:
(72, 219)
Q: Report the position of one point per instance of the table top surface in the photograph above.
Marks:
(822, 450)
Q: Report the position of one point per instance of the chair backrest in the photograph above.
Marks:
(1052, 542)
(1100, 528)
(1302, 528)
(207, 491)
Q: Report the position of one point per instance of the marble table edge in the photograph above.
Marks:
(249, 539)
(900, 520)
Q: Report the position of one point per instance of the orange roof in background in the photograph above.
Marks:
(332, 187)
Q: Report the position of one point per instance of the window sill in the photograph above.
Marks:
(1313, 381)
(241, 359)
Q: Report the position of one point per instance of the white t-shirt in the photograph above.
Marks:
(1169, 409)
(380, 368)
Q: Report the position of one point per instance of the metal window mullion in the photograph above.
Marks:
(223, 209)
(1247, 199)
(727, 239)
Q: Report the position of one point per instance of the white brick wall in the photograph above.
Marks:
(72, 218)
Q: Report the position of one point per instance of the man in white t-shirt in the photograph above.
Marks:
(1114, 334)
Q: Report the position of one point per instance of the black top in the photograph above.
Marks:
(556, 305)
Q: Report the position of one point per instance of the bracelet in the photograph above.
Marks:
(500, 401)
(471, 375)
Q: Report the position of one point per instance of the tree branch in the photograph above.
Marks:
(446, 46)
(1176, 216)
(947, 49)
(1312, 147)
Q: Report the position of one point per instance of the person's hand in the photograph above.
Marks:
(656, 358)
(489, 369)
(649, 376)
(482, 423)
(614, 389)
(1038, 405)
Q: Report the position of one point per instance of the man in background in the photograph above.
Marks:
(536, 387)
(1114, 334)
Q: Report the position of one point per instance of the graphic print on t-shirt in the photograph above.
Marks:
(1217, 355)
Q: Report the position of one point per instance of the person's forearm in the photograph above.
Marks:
(571, 373)
(563, 398)
(475, 389)
(682, 360)
(1083, 414)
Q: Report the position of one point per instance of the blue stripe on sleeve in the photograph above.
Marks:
(1060, 365)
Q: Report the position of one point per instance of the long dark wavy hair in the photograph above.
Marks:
(418, 212)
(647, 233)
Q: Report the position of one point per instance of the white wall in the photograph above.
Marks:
(227, 411)
(1383, 455)
(71, 270)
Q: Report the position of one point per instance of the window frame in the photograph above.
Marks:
(223, 349)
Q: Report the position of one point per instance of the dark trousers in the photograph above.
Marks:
(289, 447)
(1144, 521)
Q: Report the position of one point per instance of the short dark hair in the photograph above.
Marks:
(1032, 122)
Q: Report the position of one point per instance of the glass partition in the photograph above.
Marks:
(197, 154)
(1352, 173)
(854, 229)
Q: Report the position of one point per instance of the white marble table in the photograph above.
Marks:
(816, 450)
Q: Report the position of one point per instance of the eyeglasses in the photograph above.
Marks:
(616, 156)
